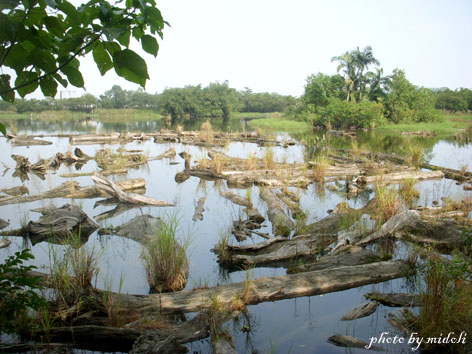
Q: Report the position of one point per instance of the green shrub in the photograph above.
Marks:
(344, 114)
(18, 290)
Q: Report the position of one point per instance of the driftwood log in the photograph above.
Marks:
(351, 342)
(114, 190)
(281, 224)
(362, 311)
(199, 209)
(61, 222)
(396, 299)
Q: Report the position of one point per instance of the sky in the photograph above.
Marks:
(274, 45)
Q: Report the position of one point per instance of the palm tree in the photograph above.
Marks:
(362, 60)
(346, 62)
(354, 64)
(378, 84)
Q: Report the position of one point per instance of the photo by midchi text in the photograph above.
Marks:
(416, 341)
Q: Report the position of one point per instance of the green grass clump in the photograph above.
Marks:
(165, 259)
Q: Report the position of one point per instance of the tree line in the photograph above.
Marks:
(359, 97)
(215, 100)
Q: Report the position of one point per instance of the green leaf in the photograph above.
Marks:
(3, 129)
(17, 57)
(73, 75)
(55, 25)
(123, 38)
(70, 11)
(5, 86)
(138, 32)
(149, 44)
(48, 86)
(131, 66)
(24, 77)
(112, 47)
(154, 17)
(102, 59)
(61, 80)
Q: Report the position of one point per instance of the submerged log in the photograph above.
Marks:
(199, 209)
(3, 224)
(281, 224)
(351, 342)
(4, 243)
(236, 199)
(362, 311)
(396, 299)
(114, 190)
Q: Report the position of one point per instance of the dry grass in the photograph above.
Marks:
(206, 132)
(408, 192)
(268, 159)
(321, 163)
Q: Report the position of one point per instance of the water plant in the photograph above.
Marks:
(408, 192)
(165, 258)
(387, 203)
(268, 158)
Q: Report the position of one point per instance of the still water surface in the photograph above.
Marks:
(297, 325)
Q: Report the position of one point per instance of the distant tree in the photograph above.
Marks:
(452, 101)
(319, 88)
(405, 102)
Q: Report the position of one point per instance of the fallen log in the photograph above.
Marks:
(283, 253)
(397, 177)
(102, 172)
(28, 141)
(362, 311)
(346, 256)
(15, 191)
(61, 191)
(396, 299)
(295, 210)
(95, 192)
(61, 222)
(262, 289)
(3, 224)
(236, 199)
(281, 224)
(114, 190)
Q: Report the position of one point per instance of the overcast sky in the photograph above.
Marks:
(273, 45)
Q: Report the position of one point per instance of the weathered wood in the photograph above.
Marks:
(28, 141)
(282, 253)
(168, 338)
(95, 192)
(102, 172)
(397, 177)
(236, 199)
(351, 342)
(281, 224)
(15, 191)
(4, 243)
(362, 311)
(199, 209)
(346, 256)
(60, 222)
(140, 229)
(295, 210)
(59, 192)
(114, 190)
(396, 299)
(3, 224)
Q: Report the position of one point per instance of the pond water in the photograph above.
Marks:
(300, 325)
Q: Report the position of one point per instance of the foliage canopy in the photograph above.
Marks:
(41, 41)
